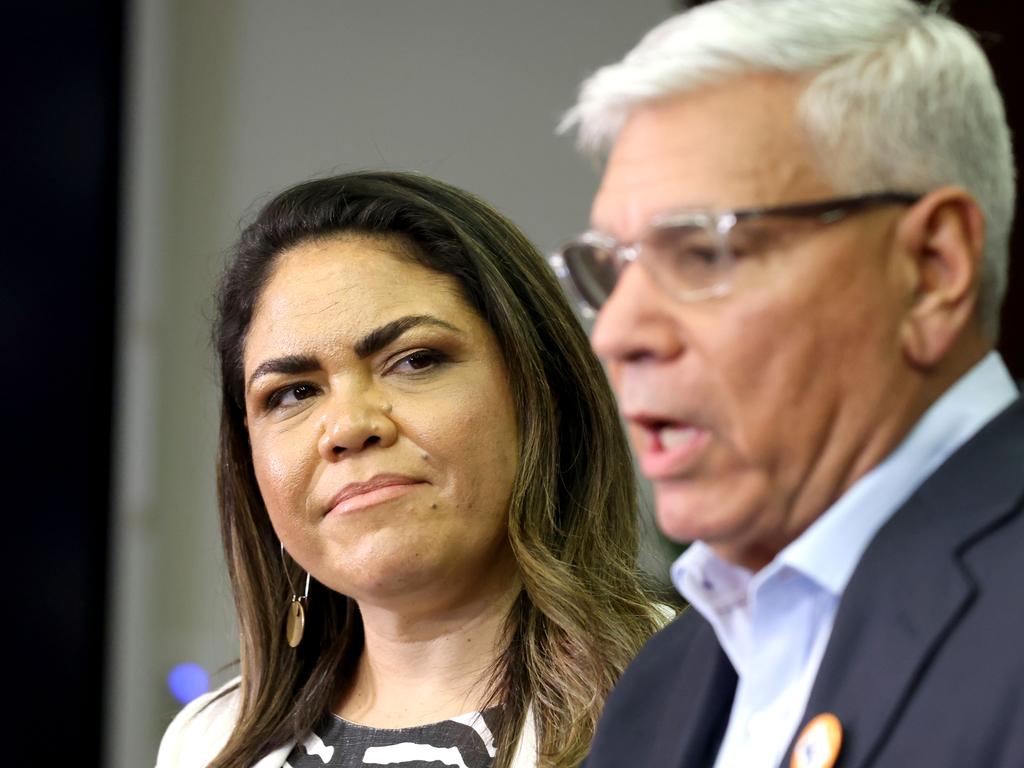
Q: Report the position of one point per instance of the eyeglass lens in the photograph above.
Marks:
(593, 270)
(682, 258)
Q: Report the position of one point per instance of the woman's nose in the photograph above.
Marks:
(354, 424)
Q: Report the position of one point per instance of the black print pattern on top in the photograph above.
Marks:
(462, 742)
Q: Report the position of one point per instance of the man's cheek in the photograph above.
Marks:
(614, 371)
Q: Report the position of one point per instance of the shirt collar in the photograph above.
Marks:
(829, 550)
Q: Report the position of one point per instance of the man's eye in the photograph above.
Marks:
(290, 395)
(683, 247)
(692, 253)
(703, 255)
(420, 360)
(755, 239)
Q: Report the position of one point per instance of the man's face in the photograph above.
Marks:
(750, 413)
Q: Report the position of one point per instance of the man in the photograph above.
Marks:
(798, 255)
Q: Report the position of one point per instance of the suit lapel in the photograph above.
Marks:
(911, 588)
(700, 709)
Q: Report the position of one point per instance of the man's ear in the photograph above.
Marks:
(940, 241)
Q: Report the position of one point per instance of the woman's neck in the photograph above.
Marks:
(423, 666)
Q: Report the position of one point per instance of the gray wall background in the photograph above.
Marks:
(228, 102)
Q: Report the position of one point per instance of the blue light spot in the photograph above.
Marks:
(187, 681)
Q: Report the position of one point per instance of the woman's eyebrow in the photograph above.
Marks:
(380, 337)
(372, 342)
(286, 364)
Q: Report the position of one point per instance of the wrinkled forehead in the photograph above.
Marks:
(732, 145)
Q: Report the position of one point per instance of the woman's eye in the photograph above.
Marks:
(420, 360)
(290, 395)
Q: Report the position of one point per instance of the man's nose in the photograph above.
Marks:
(634, 323)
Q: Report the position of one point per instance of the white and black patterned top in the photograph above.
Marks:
(462, 742)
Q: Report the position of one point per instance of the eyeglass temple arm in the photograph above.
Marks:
(830, 209)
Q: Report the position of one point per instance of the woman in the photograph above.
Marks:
(423, 487)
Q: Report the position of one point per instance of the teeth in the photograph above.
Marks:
(673, 436)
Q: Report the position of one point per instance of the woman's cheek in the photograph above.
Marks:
(280, 472)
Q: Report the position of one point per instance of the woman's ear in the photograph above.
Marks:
(940, 242)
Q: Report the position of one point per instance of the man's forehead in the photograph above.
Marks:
(733, 145)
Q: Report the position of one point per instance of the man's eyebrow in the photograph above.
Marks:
(380, 337)
(286, 364)
(372, 342)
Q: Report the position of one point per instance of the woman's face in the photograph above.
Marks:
(382, 427)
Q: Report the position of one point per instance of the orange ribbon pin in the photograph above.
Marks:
(819, 743)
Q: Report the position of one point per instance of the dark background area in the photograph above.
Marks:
(992, 21)
(62, 75)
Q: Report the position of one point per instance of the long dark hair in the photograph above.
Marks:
(572, 522)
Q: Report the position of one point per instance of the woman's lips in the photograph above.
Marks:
(376, 490)
(670, 451)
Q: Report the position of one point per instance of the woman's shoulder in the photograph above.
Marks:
(666, 613)
(525, 755)
(201, 729)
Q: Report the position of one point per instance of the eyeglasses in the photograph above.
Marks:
(692, 254)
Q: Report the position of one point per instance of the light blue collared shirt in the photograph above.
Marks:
(774, 624)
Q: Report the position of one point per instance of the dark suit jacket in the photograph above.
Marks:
(925, 665)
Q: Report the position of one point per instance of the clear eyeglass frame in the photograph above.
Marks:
(688, 253)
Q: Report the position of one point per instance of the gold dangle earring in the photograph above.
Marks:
(296, 624)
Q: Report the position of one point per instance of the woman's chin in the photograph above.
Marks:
(405, 582)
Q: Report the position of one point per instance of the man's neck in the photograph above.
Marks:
(861, 441)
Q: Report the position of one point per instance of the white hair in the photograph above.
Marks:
(901, 98)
